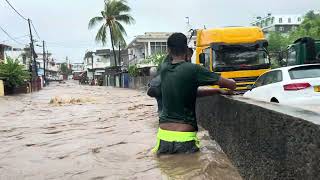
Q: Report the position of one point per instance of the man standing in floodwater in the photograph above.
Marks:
(180, 80)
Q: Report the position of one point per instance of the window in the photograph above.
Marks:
(280, 20)
(281, 29)
(267, 22)
(272, 20)
(260, 80)
(292, 56)
(269, 78)
(158, 47)
(311, 71)
(289, 20)
(299, 19)
(238, 58)
(207, 58)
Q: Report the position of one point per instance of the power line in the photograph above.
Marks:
(10, 36)
(18, 37)
(16, 11)
(35, 30)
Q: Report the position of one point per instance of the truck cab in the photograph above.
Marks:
(235, 52)
(305, 50)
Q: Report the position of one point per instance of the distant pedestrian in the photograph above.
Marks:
(154, 86)
(189, 55)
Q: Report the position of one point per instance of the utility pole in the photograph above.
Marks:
(47, 58)
(92, 68)
(44, 63)
(33, 58)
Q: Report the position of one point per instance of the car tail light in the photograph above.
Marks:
(296, 86)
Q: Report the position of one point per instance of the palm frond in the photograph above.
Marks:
(116, 7)
(121, 29)
(94, 21)
(126, 18)
(118, 33)
(121, 6)
(102, 35)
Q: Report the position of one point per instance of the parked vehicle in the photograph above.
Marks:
(305, 50)
(292, 85)
(76, 75)
(234, 52)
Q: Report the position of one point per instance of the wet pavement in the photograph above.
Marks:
(67, 131)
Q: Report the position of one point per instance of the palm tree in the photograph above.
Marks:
(115, 12)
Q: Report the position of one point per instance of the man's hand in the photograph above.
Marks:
(227, 83)
(227, 92)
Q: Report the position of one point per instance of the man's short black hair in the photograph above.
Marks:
(177, 43)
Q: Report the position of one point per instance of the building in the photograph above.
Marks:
(146, 45)
(52, 69)
(143, 46)
(77, 67)
(278, 23)
(3, 49)
(96, 62)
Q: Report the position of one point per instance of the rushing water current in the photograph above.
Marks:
(68, 131)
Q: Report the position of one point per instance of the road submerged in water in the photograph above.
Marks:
(68, 131)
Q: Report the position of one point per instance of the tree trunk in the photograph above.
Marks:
(119, 55)
(112, 43)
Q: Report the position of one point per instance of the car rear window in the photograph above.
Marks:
(312, 71)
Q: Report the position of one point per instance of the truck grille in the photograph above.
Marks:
(243, 82)
(246, 79)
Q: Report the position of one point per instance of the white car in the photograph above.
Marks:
(293, 85)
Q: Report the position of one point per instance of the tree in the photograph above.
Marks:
(14, 73)
(277, 42)
(65, 69)
(115, 12)
(309, 27)
(156, 59)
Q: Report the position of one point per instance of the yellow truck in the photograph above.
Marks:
(234, 52)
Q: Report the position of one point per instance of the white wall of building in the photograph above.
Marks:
(149, 44)
(285, 22)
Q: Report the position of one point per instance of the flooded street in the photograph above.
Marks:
(67, 131)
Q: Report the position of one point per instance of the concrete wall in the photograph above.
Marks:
(265, 141)
(139, 82)
(1, 88)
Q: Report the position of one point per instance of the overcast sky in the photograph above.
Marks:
(63, 23)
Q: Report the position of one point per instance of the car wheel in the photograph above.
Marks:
(274, 100)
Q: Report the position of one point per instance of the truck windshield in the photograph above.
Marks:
(240, 58)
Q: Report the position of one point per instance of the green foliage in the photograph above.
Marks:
(275, 64)
(115, 12)
(309, 27)
(65, 69)
(156, 59)
(14, 73)
(277, 41)
(133, 70)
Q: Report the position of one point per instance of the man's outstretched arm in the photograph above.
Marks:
(227, 83)
(223, 83)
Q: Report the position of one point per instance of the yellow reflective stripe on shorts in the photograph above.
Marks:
(175, 136)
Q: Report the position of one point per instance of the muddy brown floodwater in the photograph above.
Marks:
(67, 131)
